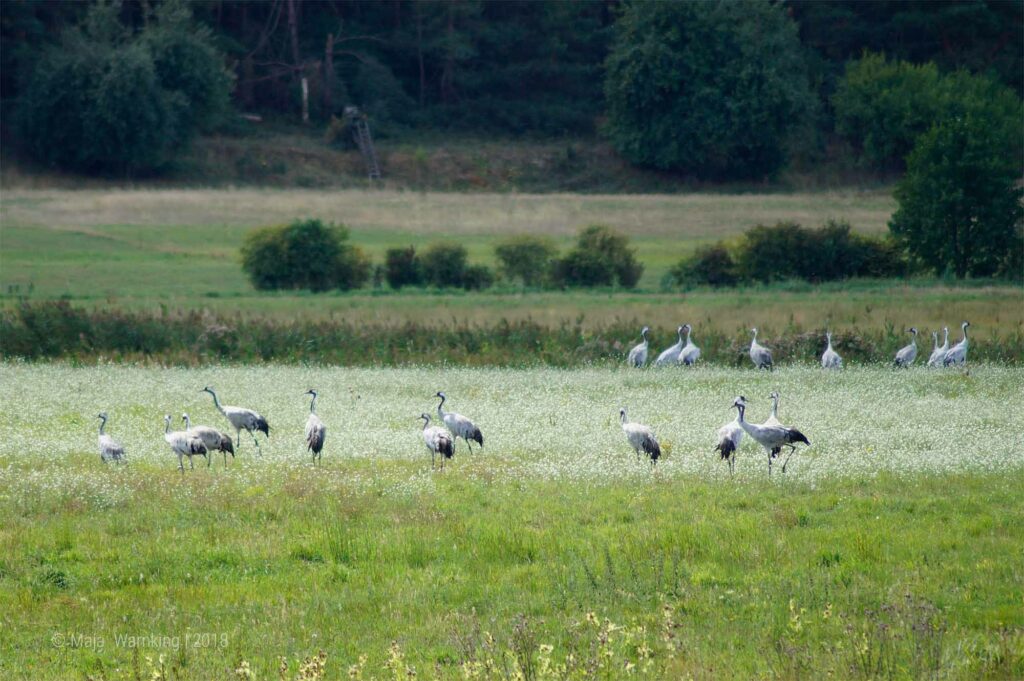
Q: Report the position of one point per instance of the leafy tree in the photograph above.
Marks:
(305, 254)
(883, 106)
(525, 257)
(959, 202)
(711, 88)
(107, 99)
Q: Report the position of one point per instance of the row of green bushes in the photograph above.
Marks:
(789, 251)
(308, 254)
(57, 330)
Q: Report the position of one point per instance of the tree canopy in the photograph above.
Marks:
(713, 89)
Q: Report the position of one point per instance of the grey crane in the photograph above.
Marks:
(939, 351)
(908, 353)
(316, 431)
(759, 354)
(771, 437)
(958, 353)
(213, 439)
(671, 355)
(458, 424)
(184, 444)
(729, 437)
(830, 359)
(638, 355)
(438, 441)
(241, 419)
(640, 437)
(690, 352)
(110, 449)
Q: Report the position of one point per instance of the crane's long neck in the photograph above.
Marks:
(775, 407)
(440, 407)
(426, 422)
(622, 417)
(167, 426)
(828, 337)
(964, 327)
(643, 335)
(935, 339)
(945, 337)
(188, 422)
(688, 332)
(312, 404)
(739, 416)
(216, 402)
(103, 422)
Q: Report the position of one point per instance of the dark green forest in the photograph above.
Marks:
(720, 90)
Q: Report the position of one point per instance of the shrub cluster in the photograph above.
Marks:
(602, 257)
(306, 254)
(789, 251)
(442, 264)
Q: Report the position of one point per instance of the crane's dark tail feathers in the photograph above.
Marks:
(775, 452)
(651, 448)
(726, 449)
(263, 426)
(796, 436)
(315, 443)
(227, 446)
(197, 447)
(445, 447)
(477, 436)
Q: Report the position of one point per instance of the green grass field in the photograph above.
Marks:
(890, 549)
(148, 249)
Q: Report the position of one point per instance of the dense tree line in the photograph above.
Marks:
(513, 65)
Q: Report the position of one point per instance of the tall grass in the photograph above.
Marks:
(59, 330)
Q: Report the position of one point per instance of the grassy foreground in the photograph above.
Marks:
(891, 549)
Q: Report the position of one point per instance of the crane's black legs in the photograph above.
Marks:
(791, 450)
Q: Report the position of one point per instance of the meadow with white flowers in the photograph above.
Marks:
(892, 546)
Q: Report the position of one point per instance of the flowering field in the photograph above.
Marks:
(552, 550)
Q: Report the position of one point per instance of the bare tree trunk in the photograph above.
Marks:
(419, 53)
(329, 75)
(293, 27)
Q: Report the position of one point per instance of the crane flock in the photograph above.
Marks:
(440, 440)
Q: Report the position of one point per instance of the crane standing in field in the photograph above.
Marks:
(690, 352)
(908, 353)
(729, 437)
(759, 354)
(438, 441)
(640, 437)
(671, 355)
(213, 439)
(830, 359)
(241, 419)
(316, 431)
(458, 424)
(110, 449)
(958, 353)
(638, 355)
(939, 351)
(771, 437)
(184, 444)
